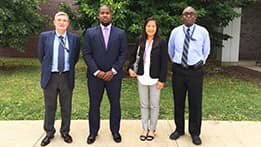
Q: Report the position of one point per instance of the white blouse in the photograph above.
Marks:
(145, 79)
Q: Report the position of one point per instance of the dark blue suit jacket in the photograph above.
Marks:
(45, 55)
(97, 57)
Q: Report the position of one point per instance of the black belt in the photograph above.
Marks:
(196, 66)
(59, 72)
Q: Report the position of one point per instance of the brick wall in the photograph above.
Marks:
(49, 8)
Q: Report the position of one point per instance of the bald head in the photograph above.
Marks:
(189, 9)
(189, 16)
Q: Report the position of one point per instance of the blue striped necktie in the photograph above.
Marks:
(61, 54)
(185, 50)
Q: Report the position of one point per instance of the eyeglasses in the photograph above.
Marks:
(188, 14)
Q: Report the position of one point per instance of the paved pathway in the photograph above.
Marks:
(250, 65)
(214, 134)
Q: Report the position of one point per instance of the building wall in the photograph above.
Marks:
(230, 50)
(250, 37)
(250, 34)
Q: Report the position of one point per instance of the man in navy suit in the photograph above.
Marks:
(58, 52)
(105, 49)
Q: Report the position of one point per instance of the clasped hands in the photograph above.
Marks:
(106, 76)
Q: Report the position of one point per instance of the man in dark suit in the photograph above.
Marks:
(58, 52)
(104, 51)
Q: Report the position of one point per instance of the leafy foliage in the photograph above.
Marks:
(130, 14)
(19, 19)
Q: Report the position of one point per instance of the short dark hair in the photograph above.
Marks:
(105, 6)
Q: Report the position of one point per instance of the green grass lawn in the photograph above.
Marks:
(21, 98)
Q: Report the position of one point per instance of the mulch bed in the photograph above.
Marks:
(243, 73)
(213, 67)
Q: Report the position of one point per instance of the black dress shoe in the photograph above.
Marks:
(196, 140)
(46, 140)
(91, 139)
(175, 135)
(116, 137)
(67, 138)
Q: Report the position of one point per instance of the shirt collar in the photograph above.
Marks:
(108, 26)
(191, 27)
(64, 35)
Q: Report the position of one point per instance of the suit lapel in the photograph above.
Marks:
(100, 36)
(70, 41)
(51, 40)
(110, 37)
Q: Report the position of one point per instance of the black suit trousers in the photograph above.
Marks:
(187, 81)
(96, 88)
(58, 85)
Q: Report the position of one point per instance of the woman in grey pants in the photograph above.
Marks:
(151, 50)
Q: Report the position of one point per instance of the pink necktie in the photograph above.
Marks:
(106, 35)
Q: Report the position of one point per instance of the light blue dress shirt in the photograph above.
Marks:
(55, 52)
(199, 45)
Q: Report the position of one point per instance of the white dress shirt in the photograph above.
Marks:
(145, 79)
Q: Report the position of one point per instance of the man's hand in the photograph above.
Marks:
(108, 75)
(100, 74)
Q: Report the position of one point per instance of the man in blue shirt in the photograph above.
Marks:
(58, 52)
(188, 48)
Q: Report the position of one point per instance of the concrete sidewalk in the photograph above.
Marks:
(250, 65)
(214, 134)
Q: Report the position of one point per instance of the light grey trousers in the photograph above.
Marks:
(149, 102)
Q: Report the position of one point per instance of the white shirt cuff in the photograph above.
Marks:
(114, 71)
(95, 74)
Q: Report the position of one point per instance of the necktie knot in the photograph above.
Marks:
(61, 37)
(188, 30)
(105, 29)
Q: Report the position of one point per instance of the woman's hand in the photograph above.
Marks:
(132, 73)
(160, 85)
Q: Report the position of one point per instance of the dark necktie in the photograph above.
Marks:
(61, 54)
(184, 58)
